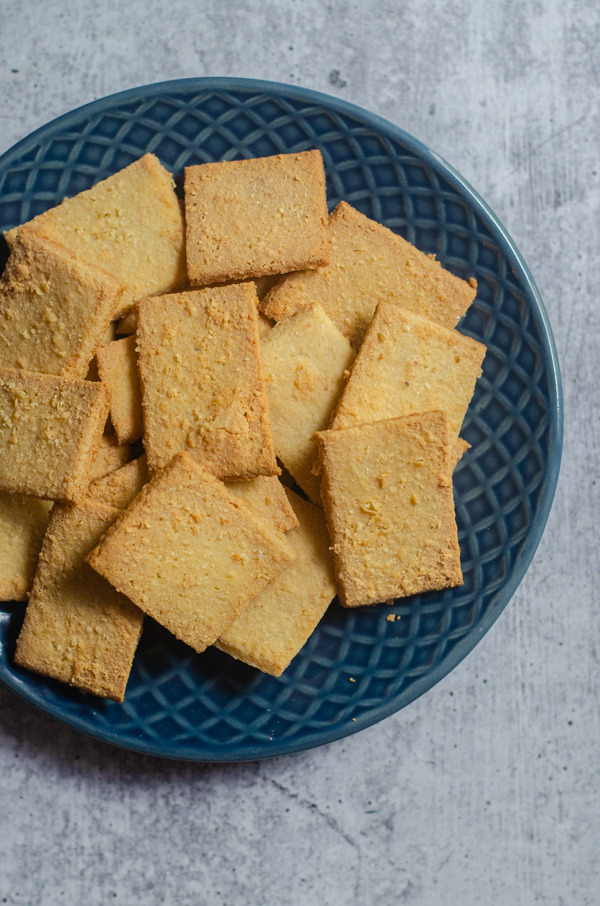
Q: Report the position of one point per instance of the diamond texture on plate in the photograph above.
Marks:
(211, 707)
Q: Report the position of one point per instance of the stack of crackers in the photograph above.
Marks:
(160, 365)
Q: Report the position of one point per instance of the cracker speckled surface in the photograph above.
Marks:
(23, 523)
(54, 308)
(370, 264)
(119, 488)
(387, 493)
(117, 367)
(202, 383)
(266, 498)
(50, 430)
(130, 224)
(189, 553)
(278, 621)
(409, 364)
(305, 360)
(77, 628)
(247, 218)
(110, 455)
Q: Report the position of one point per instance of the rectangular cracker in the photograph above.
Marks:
(117, 367)
(305, 361)
(54, 308)
(77, 628)
(266, 498)
(387, 493)
(409, 364)
(50, 430)
(370, 264)
(110, 455)
(202, 383)
(279, 620)
(23, 523)
(119, 488)
(248, 218)
(130, 224)
(189, 553)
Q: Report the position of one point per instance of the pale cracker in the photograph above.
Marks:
(77, 628)
(189, 553)
(117, 367)
(248, 218)
(202, 384)
(370, 264)
(409, 364)
(130, 224)
(279, 620)
(387, 493)
(305, 361)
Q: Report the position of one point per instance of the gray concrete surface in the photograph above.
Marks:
(485, 791)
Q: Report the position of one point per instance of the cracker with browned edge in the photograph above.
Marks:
(189, 553)
(409, 364)
(110, 456)
(305, 361)
(50, 430)
(23, 523)
(77, 628)
(387, 493)
(248, 218)
(266, 498)
(54, 308)
(457, 452)
(119, 488)
(130, 224)
(370, 264)
(278, 621)
(117, 367)
(202, 383)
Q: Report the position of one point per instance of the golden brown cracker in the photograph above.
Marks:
(305, 361)
(77, 628)
(23, 523)
(117, 367)
(50, 430)
(387, 493)
(248, 218)
(202, 384)
(119, 488)
(266, 498)
(370, 264)
(409, 364)
(110, 456)
(279, 620)
(189, 553)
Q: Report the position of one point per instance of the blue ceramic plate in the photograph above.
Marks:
(209, 707)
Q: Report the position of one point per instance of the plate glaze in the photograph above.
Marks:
(210, 707)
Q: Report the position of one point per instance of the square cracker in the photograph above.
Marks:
(119, 488)
(23, 523)
(54, 308)
(266, 498)
(409, 364)
(117, 367)
(202, 383)
(387, 492)
(189, 553)
(130, 224)
(370, 264)
(50, 430)
(77, 628)
(279, 620)
(305, 361)
(246, 218)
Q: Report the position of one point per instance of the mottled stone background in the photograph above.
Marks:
(485, 791)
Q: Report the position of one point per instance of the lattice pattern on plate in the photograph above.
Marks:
(211, 707)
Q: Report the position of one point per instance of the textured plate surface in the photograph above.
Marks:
(209, 707)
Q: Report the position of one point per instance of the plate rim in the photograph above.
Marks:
(322, 737)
